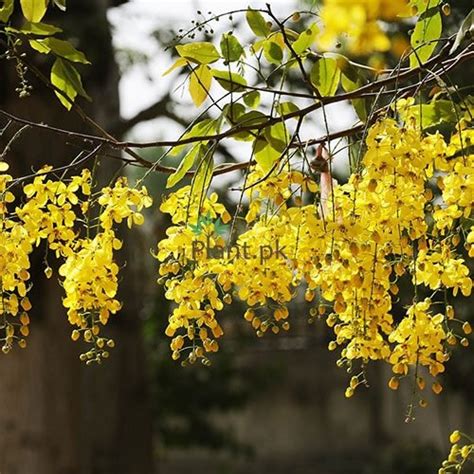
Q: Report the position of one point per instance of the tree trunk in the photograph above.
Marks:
(58, 416)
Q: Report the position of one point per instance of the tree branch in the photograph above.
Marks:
(444, 59)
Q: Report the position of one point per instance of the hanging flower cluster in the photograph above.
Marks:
(58, 213)
(461, 454)
(191, 278)
(401, 213)
(15, 248)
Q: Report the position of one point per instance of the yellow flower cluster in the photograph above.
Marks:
(419, 339)
(457, 180)
(48, 211)
(198, 267)
(57, 212)
(357, 22)
(190, 276)
(121, 202)
(90, 272)
(461, 454)
(15, 249)
(90, 284)
(349, 244)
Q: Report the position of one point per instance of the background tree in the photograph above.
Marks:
(57, 416)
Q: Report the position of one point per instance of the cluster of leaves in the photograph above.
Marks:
(41, 37)
(278, 52)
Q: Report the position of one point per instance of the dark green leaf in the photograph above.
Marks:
(6, 10)
(233, 111)
(230, 81)
(257, 23)
(231, 48)
(248, 119)
(277, 136)
(285, 108)
(253, 117)
(272, 52)
(252, 99)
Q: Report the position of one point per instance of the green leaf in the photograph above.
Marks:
(58, 80)
(425, 35)
(284, 108)
(466, 27)
(200, 83)
(231, 48)
(199, 52)
(291, 34)
(230, 81)
(306, 39)
(185, 165)
(277, 136)
(180, 62)
(435, 113)
(265, 155)
(243, 119)
(254, 117)
(65, 77)
(34, 10)
(233, 111)
(202, 179)
(420, 6)
(39, 29)
(272, 52)
(257, 46)
(325, 76)
(61, 4)
(200, 129)
(252, 99)
(6, 10)
(257, 23)
(40, 47)
(59, 48)
(350, 81)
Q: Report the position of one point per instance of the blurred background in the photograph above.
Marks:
(266, 405)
